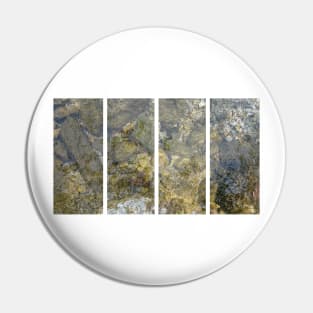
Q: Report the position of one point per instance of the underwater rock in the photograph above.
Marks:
(92, 121)
(124, 149)
(123, 111)
(60, 151)
(182, 156)
(87, 159)
(144, 131)
(133, 206)
(130, 156)
(234, 150)
(78, 182)
(65, 109)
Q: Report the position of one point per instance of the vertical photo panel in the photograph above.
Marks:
(130, 156)
(182, 149)
(78, 156)
(234, 156)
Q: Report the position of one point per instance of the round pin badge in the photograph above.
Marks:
(155, 156)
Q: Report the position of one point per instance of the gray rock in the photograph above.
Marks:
(80, 148)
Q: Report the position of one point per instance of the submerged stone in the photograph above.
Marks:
(234, 156)
(130, 156)
(78, 183)
(182, 156)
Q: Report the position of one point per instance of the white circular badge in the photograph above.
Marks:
(155, 156)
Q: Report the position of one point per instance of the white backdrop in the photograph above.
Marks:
(37, 38)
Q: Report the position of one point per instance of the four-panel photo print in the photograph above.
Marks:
(163, 156)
